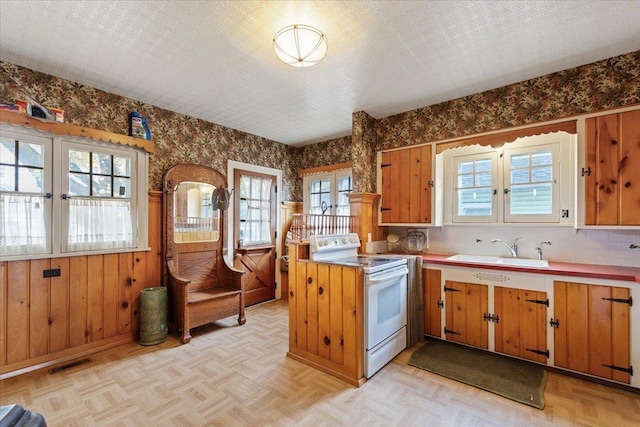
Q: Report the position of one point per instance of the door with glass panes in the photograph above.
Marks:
(255, 233)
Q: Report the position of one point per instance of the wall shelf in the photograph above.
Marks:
(62, 129)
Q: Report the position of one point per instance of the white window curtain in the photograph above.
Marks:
(255, 210)
(96, 223)
(22, 224)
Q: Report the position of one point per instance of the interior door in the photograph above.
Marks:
(255, 233)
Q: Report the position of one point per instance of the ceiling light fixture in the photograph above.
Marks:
(300, 45)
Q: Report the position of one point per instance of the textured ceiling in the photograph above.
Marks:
(213, 59)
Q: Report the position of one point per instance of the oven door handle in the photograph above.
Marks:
(375, 279)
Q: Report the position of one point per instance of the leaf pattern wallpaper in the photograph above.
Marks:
(178, 138)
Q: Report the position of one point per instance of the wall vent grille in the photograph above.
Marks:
(69, 366)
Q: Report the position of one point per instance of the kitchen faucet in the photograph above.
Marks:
(512, 248)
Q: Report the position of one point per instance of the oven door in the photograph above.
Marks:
(385, 304)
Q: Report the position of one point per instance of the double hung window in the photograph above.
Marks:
(62, 196)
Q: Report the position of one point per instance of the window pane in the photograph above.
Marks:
(121, 166)
(544, 174)
(465, 167)
(325, 185)
(99, 224)
(532, 199)
(78, 184)
(255, 211)
(23, 225)
(7, 178)
(520, 161)
(483, 165)
(30, 154)
(101, 186)
(122, 188)
(475, 202)
(520, 176)
(30, 180)
(79, 161)
(101, 164)
(540, 158)
(7, 151)
(465, 181)
(344, 184)
(484, 180)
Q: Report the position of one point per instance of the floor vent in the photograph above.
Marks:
(69, 366)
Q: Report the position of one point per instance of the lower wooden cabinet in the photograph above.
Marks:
(582, 327)
(521, 326)
(466, 304)
(592, 329)
(433, 304)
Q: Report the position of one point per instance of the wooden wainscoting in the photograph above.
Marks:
(92, 305)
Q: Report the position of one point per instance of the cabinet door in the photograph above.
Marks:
(613, 186)
(628, 167)
(466, 303)
(592, 332)
(522, 329)
(406, 185)
(432, 302)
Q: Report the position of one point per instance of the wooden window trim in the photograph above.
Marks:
(499, 139)
(325, 169)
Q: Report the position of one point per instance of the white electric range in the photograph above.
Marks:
(385, 295)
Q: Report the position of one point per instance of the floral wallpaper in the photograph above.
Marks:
(363, 149)
(178, 138)
(610, 83)
(605, 84)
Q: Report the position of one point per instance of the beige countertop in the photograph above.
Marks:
(607, 272)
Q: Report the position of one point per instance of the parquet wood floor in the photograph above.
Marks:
(232, 375)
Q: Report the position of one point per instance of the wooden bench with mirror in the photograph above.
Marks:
(202, 286)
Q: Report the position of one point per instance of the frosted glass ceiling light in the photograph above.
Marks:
(300, 45)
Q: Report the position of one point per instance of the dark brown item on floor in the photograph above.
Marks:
(511, 378)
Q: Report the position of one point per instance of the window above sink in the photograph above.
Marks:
(528, 181)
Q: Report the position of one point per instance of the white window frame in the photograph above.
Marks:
(56, 182)
(554, 215)
(564, 170)
(475, 156)
(333, 178)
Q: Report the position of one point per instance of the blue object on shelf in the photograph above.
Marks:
(138, 126)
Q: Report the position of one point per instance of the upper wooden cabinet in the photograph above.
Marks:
(406, 185)
(612, 178)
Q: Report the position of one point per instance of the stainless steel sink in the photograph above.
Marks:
(494, 260)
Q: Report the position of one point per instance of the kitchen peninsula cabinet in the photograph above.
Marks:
(406, 185)
(326, 316)
(612, 178)
(591, 329)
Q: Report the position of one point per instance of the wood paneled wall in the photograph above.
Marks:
(93, 304)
